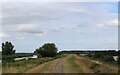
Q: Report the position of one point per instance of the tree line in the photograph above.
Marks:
(50, 50)
(104, 55)
(97, 52)
(47, 50)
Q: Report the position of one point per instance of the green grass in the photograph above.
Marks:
(72, 66)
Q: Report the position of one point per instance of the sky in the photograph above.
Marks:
(70, 25)
(59, 1)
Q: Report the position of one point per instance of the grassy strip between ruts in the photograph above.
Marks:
(24, 65)
(71, 66)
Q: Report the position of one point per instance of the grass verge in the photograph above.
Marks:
(24, 65)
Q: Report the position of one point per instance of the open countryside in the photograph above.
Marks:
(59, 38)
(69, 63)
(61, 62)
(73, 64)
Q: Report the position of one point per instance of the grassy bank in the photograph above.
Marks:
(24, 65)
(99, 66)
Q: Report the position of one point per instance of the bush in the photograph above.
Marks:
(89, 55)
(108, 58)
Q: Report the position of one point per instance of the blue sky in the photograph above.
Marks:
(70, 25)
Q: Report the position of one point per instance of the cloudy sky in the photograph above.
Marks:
(70, 25)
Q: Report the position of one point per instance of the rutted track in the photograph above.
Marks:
(67, 64)
(54, 66)
(59, 67)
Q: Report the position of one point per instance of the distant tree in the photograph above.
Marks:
(47, 50)
(7, 48)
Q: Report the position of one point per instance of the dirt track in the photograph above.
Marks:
(68, 64)
(55, 66)
(59, 67)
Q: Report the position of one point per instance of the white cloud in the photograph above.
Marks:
(29, 28)
(26, 27)
(36, 11)
(112, 23)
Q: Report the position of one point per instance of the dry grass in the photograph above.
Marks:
(23, 65)
(99, 67)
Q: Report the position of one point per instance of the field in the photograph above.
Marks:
(69, 63)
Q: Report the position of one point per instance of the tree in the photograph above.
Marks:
(47, 50)
(7, 48)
